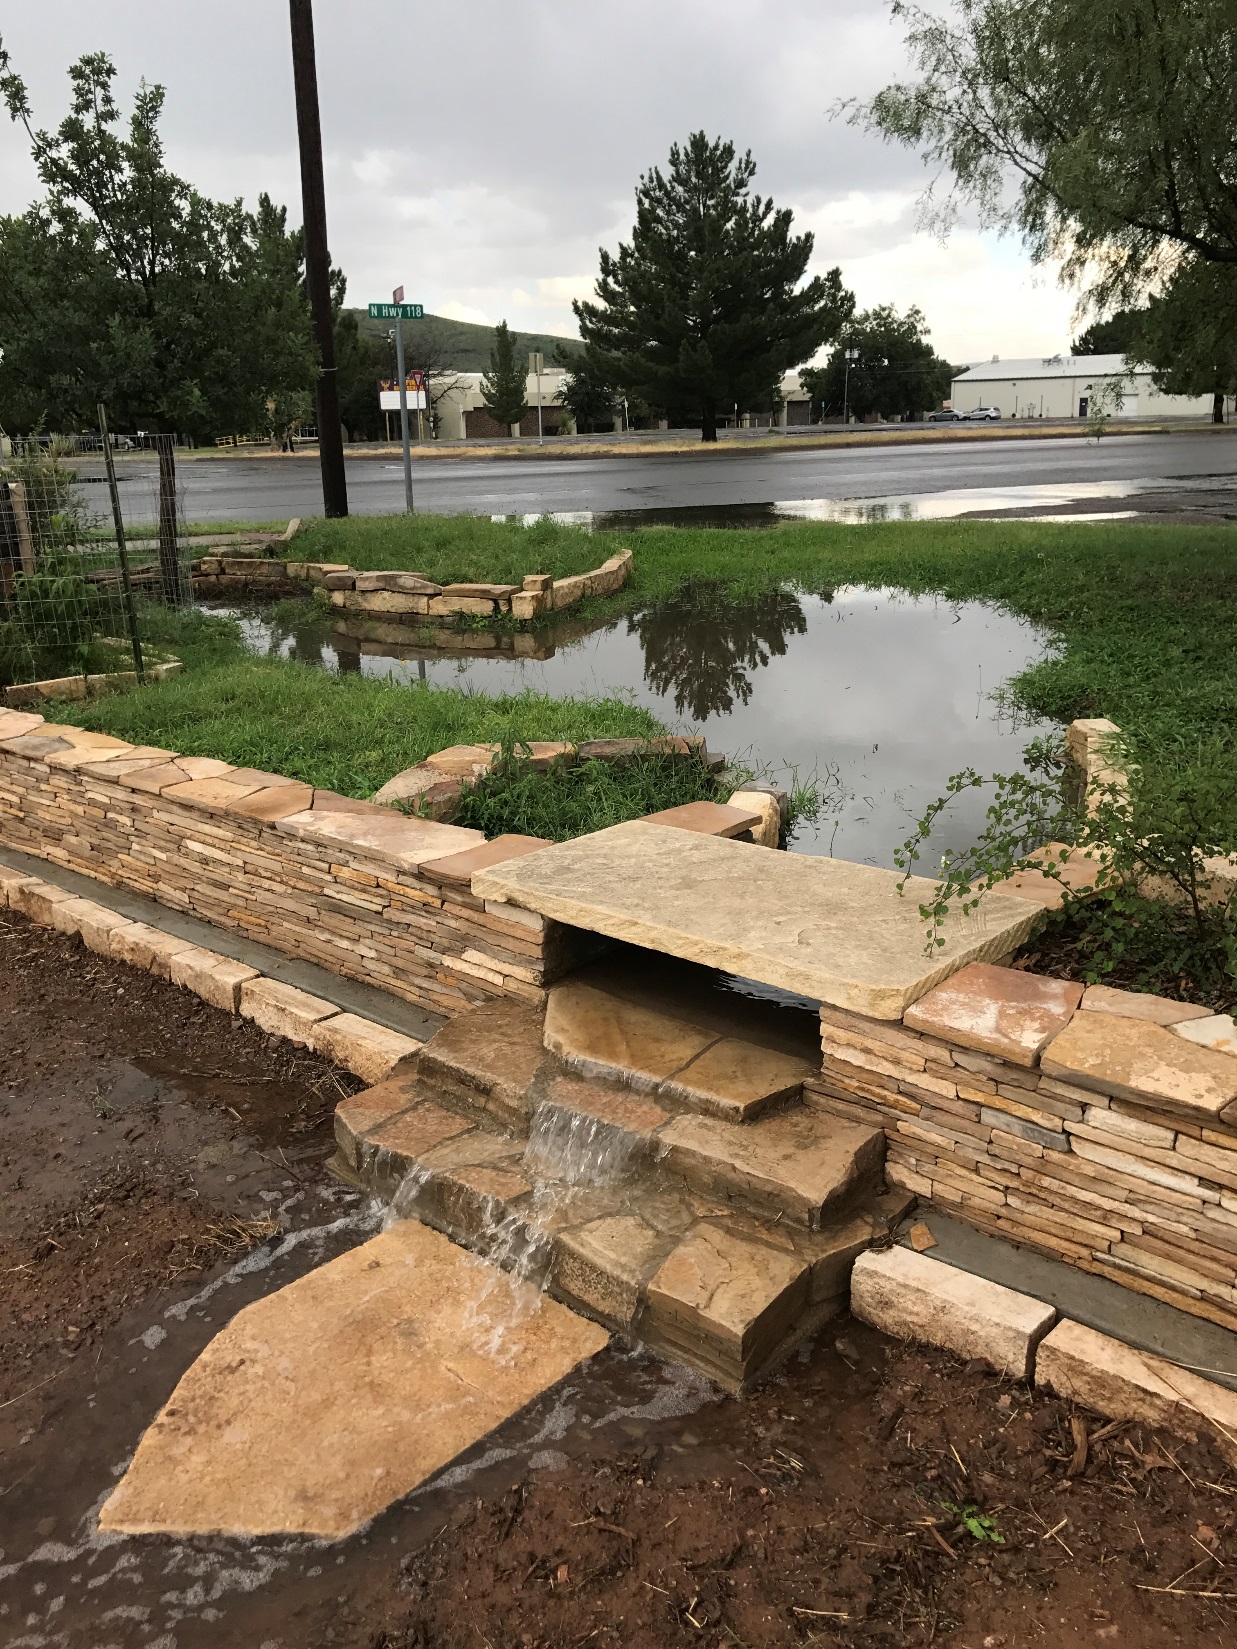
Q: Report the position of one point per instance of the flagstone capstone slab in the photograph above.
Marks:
(839, 932)
(316, 1408)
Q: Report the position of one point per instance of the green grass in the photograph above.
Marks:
(345, 733)
(573, 801)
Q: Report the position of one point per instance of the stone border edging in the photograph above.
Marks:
(370, 1051)
(412, 595)
(912, 1297)
(24, 693)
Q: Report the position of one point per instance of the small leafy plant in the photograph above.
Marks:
(979, 1525)
(1160, 831)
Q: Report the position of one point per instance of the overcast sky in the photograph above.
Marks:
(480, 152)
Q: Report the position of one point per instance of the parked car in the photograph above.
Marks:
(980, 414)
(943, 415)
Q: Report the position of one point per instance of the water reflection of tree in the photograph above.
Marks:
(702, 648)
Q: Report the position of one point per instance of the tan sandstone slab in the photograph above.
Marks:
(737, 1080)
(798, 1164)
(282, 1010)
(999, 1011)
(368, 1050)
(1149, 1064)
(913, 1297)
(832, 930)
(597, 1032)
(708, 818)
(319, 1406)
(37, 899)
(486, 1059)
(408, 843)
(142, 946)
(94, 924)
(1116, 1380)
(607, 1106)
(359, 1114)
(1216, 1031)
(603, 1265)
(461, 867)
(725, 1303)
(14, 724)
(1156, 1010)
(216, 979)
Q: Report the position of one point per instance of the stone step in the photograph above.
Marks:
(646, 1254)
(684, 1060)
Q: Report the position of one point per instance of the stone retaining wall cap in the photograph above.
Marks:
(996, 1010)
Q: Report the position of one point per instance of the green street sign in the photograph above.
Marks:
(396, 312)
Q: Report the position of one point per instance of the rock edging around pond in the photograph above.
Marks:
(26, 693)
(410, 594)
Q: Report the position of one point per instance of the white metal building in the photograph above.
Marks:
(1061, 386)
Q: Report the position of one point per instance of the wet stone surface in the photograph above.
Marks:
(630, 1506)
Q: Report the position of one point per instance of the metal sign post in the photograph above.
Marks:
(399, 311)
(536, 364)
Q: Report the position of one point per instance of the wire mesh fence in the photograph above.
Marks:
(89, 565)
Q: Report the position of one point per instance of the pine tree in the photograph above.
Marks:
(503, 386)
(704, 309)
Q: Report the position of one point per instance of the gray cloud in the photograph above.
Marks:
(481, 152)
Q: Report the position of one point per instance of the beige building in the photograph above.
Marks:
(1064, 386)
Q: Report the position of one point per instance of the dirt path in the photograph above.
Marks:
(149, 1145)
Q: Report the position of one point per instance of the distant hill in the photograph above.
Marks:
(464, 345)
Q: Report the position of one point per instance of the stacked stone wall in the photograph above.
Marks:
(1112, 1147)
(340, 883)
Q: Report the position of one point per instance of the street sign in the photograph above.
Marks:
(396, 312)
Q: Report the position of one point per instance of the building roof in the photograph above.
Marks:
(1047, 366)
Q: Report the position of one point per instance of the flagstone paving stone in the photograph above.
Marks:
(317, 1407)
(841, 933)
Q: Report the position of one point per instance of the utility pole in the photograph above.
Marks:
(317, 257)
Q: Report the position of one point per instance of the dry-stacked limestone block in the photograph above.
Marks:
(1087, 1124)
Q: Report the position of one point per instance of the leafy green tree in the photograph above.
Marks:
(1118, 335)
(1101, 130)
(1188, 334)
(587, 391)
(897, 372)
(504, 386)
(360, 362)
(704, 308)
(126, 285)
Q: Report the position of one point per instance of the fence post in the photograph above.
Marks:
(21, 519)
(122, 551)
(169, 549)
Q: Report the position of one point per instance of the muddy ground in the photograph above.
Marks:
(870, 1494)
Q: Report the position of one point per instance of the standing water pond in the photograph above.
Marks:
(876, 694)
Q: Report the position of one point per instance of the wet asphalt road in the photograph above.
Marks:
(268, 489)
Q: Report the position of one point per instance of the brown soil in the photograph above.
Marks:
(139, 1130)
(632, 1505)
